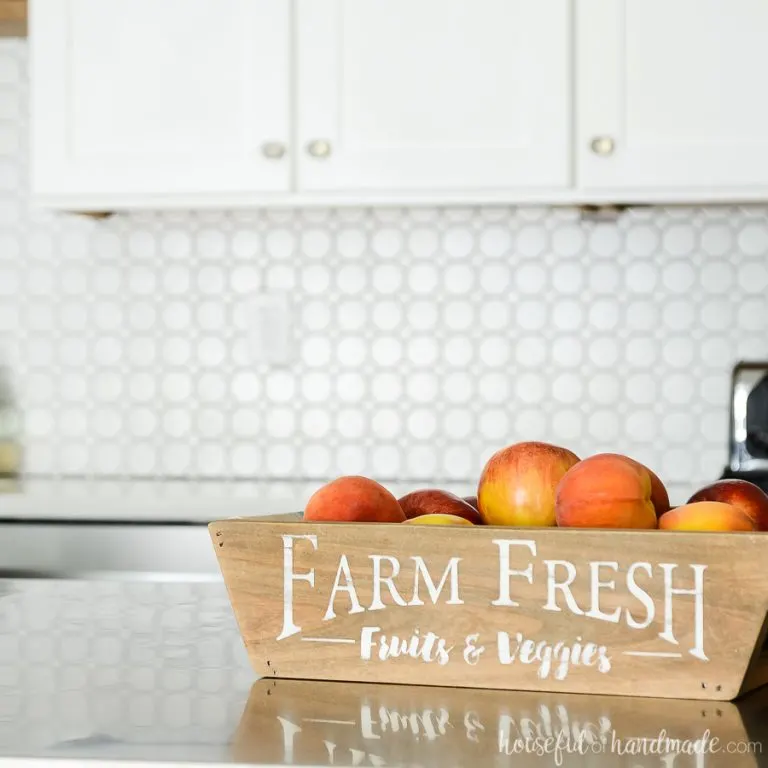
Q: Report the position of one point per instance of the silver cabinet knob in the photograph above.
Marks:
(273, 150)
(603, 145)
(319, 148)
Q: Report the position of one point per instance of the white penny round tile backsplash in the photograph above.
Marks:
(420, 340)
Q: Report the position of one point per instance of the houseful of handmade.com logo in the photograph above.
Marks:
(412, 582)
(662, 746)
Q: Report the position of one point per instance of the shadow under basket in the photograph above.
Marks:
(615, 612)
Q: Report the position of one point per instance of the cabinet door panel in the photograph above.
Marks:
(433, 94)
(677, 87)
(159, 97)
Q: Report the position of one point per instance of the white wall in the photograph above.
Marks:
(425, 339)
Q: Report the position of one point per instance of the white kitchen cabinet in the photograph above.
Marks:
(433, 96)
(223, 103)
(670, 98)
(159, 100)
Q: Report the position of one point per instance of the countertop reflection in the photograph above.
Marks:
(310, 723)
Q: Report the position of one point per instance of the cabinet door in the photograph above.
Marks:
(433, 95)
(670, 94)
(168, 99)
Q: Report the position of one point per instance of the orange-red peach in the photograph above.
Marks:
(605, 491)
(745, 496)
(353, 499)
(706, 516)
(517, 485)
(659, 495)
(438, 519)
(432, 501)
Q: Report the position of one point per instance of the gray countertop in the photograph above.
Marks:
(149, 671)
(157, 673)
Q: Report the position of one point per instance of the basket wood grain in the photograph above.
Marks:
(13, 18)
(639, 613)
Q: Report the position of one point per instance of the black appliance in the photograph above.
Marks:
(748, 433)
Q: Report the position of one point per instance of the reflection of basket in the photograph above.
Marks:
(640, 613)
(298, 722)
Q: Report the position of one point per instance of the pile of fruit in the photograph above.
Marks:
(538, 484)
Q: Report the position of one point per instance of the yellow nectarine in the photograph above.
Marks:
(706, 516)
(745, 496)
(438, 519)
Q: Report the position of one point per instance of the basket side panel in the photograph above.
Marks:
(757, 673)
(629, 613)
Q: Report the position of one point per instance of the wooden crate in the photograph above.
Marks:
(298, 722)
(640, 613)
(13, 18)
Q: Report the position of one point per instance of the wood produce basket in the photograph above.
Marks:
(641, 613)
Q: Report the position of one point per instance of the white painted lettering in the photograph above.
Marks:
(451, 571)
(366, 641)
(289, 628)
(528, 651)
(596, 585)
(428, 648)
(388, 581)
(588, 654)
(348, 587)
(553, 660)
(564, 587)
(640, 594)
(698, 594)
(576, 651)
(505, 572)
(502, 644)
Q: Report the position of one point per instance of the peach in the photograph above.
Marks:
(517, 485)
(659, 495)
(438, 519)
(706, 516)
(353, 499)
(605, 491)
(745, 496)
(434, 501)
